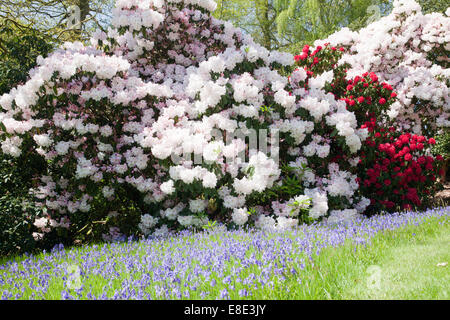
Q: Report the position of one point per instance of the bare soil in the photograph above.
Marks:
(443, 196)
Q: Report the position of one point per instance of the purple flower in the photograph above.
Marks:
(243, 293)
(191, 265)
(224, 294)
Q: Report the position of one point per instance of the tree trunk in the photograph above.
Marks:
(262, 14)
(85, 8)
(443, 178)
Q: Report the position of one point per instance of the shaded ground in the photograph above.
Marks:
(443, 196)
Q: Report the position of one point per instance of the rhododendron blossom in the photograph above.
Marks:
(408, 50)
(151, 122)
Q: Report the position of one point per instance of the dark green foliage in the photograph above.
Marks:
(17, 209)
(19, 50)
(429, 6)
(442, 147)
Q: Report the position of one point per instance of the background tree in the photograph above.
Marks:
(19, 47)
(302, 22)
(255, 17)
(289, 24)
(429, 6)
(62, 20)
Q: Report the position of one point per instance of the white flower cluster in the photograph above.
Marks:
(340, 183)
(281, 223)
(153, 109)
(261, 173)
(340, 216)
(400, 52)
(198, 205)
(147, 223)
(315, 148)
(192, 220)
(316, 107)
(240, 216)
(346, 125)
(292, 207)
(319, 202)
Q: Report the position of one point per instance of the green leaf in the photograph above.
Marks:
(333, 133)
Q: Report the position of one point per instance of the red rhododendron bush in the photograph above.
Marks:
(394, 169)
(173, 119)
(397, 170)
(410, 51)
(406, 62)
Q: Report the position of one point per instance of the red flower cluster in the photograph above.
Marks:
(319, 60)
(303, 55)
(395, 169)
(364, 95)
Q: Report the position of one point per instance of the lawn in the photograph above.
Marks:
(413, 265)
(384, 257)
(406, 263)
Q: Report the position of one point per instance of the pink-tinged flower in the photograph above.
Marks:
(37, 236)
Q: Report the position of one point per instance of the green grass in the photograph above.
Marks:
(409, 269)
(400, 265)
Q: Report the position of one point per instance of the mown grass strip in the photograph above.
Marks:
(400, 264)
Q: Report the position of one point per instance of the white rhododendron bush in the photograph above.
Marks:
(173, 119)
(410, 51)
